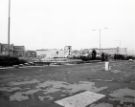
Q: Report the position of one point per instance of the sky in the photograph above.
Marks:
(41, 24)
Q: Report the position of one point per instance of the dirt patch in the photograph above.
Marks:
(123, 96)
(101, 105)
(9, 89)
(13, 83)
(115, 71)
(123, 93)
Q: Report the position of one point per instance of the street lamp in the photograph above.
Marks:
(9, 9)
(100, 31)
(118, 43)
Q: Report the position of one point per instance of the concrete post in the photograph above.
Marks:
(106, 66)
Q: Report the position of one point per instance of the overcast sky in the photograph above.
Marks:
(40, 24)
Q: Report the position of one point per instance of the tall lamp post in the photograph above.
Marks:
(100, 31)
(9, 10)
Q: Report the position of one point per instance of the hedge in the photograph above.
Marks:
(9, 61)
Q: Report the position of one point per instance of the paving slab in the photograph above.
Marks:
(80, 100)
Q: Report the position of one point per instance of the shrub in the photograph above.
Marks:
(85, 58)
(9, 61)
(104, 57)
(130, 57)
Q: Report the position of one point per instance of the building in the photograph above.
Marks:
(31, 54)
(112, 51)
(11, 50)
(67, 51)
(6, 49)
(48, 54)
(85, 52)
(76, 53)
(19, 51)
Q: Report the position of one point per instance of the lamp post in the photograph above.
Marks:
(100, 31)
(118, 43)
(9, 10)
(99, 39)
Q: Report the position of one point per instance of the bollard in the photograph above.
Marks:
(106, 66)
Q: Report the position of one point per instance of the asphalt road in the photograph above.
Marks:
(120, 76)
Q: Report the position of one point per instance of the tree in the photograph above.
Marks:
(103, 57)
(94, 53)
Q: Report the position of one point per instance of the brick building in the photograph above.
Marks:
(16, 51)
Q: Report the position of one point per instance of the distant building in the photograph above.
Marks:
(67, 51)
(6, 49)
(31, 54)
(76, 53)
(85, 52)
(16, 51)
(112, 51)
(48, 54)
(19, 51)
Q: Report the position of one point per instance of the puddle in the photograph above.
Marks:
(63, 95)
(102, 80)
(55, 65)
(101, 105)
(9, 89)
(115, 71)
(55, 86)
(123, 95)
(49, 97)
(24, 82)
(41, 98)
(18, 96)
(123, 100)
(50, 87)
(82, 86)
(51, 90)
(69, 64)
(21, 96)
(30, 92)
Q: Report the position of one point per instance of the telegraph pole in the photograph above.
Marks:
(9, 9)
